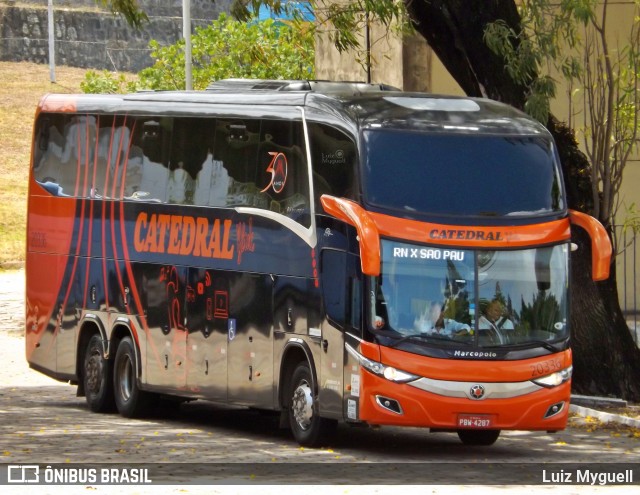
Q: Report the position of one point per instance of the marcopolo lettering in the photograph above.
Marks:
(465, 235)
(183, 235)
(475, 354)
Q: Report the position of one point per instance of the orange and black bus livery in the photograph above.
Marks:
(329, 251)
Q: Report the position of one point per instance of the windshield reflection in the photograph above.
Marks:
(480, 298)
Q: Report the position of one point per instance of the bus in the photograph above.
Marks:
(330, 252)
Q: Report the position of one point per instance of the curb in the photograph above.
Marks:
(605, 417)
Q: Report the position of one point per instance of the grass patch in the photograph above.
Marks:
(23, 84)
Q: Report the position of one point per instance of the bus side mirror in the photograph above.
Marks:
(368, 235)
(600, 244)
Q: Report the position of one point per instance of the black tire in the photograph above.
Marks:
(97, 377)
(308, 428)
(478, 437)
(130, 400)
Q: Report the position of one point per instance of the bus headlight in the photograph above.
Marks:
(554, 379)
(389, 372)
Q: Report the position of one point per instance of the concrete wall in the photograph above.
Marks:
(403, 63)
(87, 36)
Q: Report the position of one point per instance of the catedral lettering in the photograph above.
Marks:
(183, 235)
(466, 235)
(354, 287)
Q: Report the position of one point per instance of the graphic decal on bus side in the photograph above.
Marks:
(278, 169)
(186, 235)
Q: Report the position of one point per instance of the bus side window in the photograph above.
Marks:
(152, 138)
(67, 144)
(282, 169)
(355, 306)
(112, 157)
(48, 166)
(234, 163)
(333, 156)
(334, 286)
(192, 161)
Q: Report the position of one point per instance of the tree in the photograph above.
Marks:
(228, 48)
(223, 49)
(606, 360)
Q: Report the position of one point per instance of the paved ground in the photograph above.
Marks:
(42, 421)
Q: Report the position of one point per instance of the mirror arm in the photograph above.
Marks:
(368, 235)
(600, 244)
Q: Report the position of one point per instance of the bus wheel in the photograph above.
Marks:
(478, 437)
(96, 377)
(308, 428)
(130, 400)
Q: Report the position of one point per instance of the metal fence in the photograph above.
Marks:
(627, 274)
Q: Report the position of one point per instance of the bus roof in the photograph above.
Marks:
(360, 104)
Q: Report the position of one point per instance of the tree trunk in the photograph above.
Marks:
(606, 360)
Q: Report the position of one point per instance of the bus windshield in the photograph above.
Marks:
(479, 298)
(461, 174)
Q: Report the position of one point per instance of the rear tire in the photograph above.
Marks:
(97, 377)
(478, 437)
(130, 400)
(308, 428)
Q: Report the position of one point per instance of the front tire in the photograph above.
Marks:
(478, 437)
(308, 428)
(96, 377)
(130, 400)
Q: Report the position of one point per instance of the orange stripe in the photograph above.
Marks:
(472, 236)
(370, 226)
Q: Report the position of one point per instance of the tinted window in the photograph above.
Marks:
(333, 155)
(461, 174)
(103, 156)
(184, 160)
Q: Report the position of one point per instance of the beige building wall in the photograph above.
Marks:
(411, 65)
(403, 63)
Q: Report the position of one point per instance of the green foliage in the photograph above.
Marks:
(344, 22)
(106, 82)
(228, 48)
(549, 35)
(223, 49)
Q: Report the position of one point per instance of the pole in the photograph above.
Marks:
(52, 48)
(186, 32)
(367, 39)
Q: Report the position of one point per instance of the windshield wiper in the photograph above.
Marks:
(529, 344)
(425, 336)
(542, 343)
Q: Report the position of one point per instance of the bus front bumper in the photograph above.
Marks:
(496, 406)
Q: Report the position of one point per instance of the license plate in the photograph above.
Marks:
(474, 421)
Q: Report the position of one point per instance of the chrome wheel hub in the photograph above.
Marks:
(302, 405)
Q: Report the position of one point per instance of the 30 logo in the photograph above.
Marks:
(278, 170)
